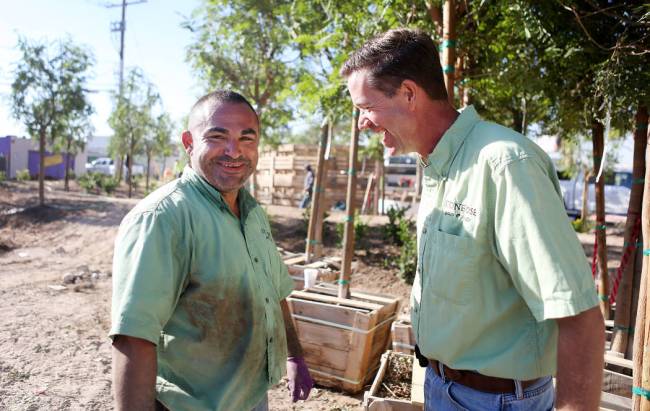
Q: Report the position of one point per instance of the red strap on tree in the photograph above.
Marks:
(631, 245)
(593, 260)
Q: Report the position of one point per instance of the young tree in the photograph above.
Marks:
(243, 45)
(157, 141)
(132, 119)
(49, 87)
(76, 130)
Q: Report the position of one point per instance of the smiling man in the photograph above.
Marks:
(199, 320)
(503, 298)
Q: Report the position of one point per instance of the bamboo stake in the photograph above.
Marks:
(641, 353)
(320, 216)
(601, 235)
(449, 47)
(622, 316)
(316, 197)
(348, 236)
(375, 195)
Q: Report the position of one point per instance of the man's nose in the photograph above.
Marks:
(364, 122)
(232, 148)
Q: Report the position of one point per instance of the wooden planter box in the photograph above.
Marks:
(373, 400)
(402, 336)
(342, 339)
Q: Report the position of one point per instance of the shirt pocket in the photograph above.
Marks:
(449, 267)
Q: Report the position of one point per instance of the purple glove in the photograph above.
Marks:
(300, 382)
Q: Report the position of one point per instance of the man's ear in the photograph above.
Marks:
(186, 138)
(409, 91)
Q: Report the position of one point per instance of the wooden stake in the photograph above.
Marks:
(317, 195)
(601, 234)
(449, 47)
(366, 196)
(348, 236)
(641, 353)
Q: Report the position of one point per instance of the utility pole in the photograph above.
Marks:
(121, 27)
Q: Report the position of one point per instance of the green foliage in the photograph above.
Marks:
(360, 231)
(133, 118)
(3, 176)
(108, 184)
(49, 90)
(582, 226)
(392, 230)
(97, 182)
(89, 182)
(244, 45)
(23, 175)
(407, 259)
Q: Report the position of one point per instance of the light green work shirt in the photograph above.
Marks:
(205, 287)
(497, 257)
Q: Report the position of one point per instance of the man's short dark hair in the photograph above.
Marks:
(219, 97)
(398, 55)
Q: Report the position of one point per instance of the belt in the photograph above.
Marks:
(479, 382)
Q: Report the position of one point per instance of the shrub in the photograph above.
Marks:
(360, 230)
(108, 184)
(90, 182)
(23, 175)
(3, 176)
(391, 230)
(407, 260)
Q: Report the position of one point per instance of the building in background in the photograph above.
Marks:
(21, 153)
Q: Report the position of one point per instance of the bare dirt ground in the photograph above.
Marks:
(54, 353)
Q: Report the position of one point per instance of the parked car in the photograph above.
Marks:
(618, 186)
(106, 165)
(400, 170)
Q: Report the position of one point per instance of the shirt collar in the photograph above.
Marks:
(246, 201)
(440, 160)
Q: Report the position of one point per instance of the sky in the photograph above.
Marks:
(154, 42)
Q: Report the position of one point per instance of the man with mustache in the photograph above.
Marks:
(199, 317)
(503, 297)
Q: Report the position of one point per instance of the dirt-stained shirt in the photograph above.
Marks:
(205, 287)
(498, 260)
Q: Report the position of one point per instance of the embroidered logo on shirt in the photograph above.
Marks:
(459, 210)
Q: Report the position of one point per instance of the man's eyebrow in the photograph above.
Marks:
(216, 130)
(249, 131)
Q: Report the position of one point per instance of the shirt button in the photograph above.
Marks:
(256, 260)
(424, 230)
(271, 339)
(267, 300)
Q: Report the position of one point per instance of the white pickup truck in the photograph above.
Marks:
(618, 186)
(105, 165)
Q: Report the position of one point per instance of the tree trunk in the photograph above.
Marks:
(584, 210)
(129, 164)
(517, 120)
(66, 185)
(622, 316)
(449, 47)
(148, 169)
(313, 248)
(41, 167)
(118, 170)
(601, 235)
(348, 235)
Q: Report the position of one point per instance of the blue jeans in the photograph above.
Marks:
(441, 394)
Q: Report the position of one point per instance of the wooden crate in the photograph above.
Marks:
(342, 339)
(372, 401)
(403, 339)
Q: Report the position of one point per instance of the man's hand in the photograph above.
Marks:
(300, 382)
(580, 350)
(134, 373)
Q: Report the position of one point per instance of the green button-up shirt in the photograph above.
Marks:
(205, 287)
(498, 259)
